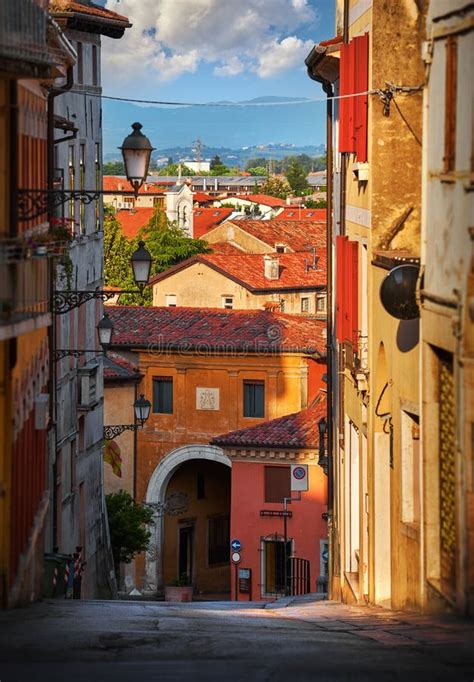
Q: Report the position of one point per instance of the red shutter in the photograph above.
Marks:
(362, 84)
(340, 305)
(353, 110)
(354, 293)
(344, 132)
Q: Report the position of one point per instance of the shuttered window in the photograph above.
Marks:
(347, 290)
(163, 395)
(254, 399)
(277, 483)
(218, 540)
(354, 78)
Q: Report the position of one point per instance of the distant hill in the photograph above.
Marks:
(229, 127)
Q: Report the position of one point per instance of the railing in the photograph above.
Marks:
(299, 579)
(23, 31)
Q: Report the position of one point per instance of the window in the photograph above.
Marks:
(163, 395)
(228, 302)
(171, 300)
(449, 159)
(95, 66)
(254, 399)
(282, 305)
(218, 540)
(80, 64)
(97, 185)
(82, 176)
(321, 304)
(280, 248)
(277, 483)
(72, 171)
(305, 305)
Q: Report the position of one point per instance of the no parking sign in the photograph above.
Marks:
(299, 477)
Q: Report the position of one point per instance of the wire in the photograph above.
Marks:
(308, 100)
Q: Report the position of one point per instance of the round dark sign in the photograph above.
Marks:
(398, 292)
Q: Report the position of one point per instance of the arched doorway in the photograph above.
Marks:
(187, 470)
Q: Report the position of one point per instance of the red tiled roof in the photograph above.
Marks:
(296, 213)
(159, 329)
(114, 183)
(298, 430)
(248, 269)
(94, 10)
(298, 235)
(206, 218)
(117, 368)
(132, 220)
(225, 247)
(202, 197)
(264, 199)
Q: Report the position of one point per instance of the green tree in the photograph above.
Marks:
(276, 187)
(117, 252)
(172, 169)
(258, 170)
(296, 176)
(320, 203)
(256, 161)
(216, 161)
(127, 524)
(114, 168)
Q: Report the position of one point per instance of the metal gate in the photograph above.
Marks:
(299, 578)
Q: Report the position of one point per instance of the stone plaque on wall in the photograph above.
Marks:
(207, 398)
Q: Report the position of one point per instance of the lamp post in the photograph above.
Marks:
(141, 260)
(105, 329)
(142, 408)
(136, 152)
(323, 454)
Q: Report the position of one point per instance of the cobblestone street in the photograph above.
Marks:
(223, 641)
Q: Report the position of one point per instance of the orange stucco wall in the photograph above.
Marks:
(306, 527)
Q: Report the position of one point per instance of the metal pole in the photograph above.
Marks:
(236, 580)
(285, 535)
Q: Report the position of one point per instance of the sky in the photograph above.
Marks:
(212, 50)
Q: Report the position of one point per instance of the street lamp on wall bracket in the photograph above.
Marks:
(323, 461)
(105, 330)
(142, 408)
(136, 152)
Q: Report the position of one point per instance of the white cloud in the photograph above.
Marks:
(280, 56)
(173, 37)
(232, 67)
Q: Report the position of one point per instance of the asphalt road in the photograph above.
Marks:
(223, 642)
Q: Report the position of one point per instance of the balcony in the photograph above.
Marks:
(24, 49)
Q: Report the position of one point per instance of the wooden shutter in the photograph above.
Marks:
(254, 399)
(347, 290)
(354, 69)
(219, 540)
(277, 483)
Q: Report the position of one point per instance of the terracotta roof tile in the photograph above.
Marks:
(296, 213)
(203, 197)
(264, 199)
(297, 235)
(117, 368)
(298, 430)
(94, 10)
(132, 220)
(211, 330)
(205, 219)
(114, 183)
(248, 269)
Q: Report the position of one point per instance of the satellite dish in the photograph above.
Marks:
(398, 292)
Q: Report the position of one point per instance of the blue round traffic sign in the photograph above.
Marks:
(236, 545)
(299, 473)
(325, 554)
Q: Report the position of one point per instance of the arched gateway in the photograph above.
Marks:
(156, 492)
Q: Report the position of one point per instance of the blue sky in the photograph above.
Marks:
(213, 50)
(209, 50)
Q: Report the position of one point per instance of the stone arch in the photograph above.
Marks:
(156, 492)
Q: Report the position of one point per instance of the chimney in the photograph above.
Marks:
(271, 267)
(288, 201)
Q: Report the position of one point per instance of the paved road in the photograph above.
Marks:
(224, 642)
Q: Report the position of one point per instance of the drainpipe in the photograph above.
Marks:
(53, 93)
(328, 89)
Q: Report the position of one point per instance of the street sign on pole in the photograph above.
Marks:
(236, 557)
(236, 545)
(299, 477)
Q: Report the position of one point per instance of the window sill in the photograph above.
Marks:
(447, 178)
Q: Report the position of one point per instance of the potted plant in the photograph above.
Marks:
(179, 589)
